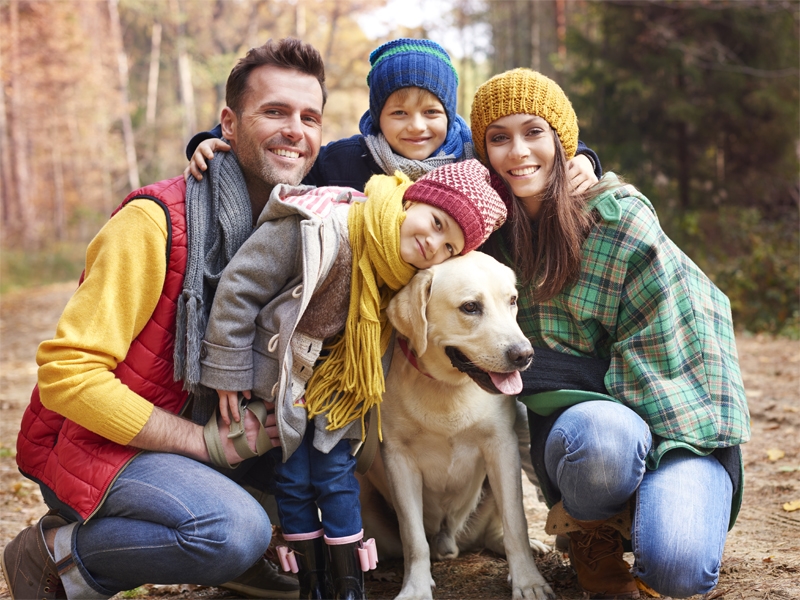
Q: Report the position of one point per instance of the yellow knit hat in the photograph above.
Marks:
(522, 91)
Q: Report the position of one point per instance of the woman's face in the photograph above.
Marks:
(522, 150)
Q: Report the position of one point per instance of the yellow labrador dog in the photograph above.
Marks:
(448, 423)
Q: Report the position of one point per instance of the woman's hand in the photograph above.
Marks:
(580, 173)
(205, 151)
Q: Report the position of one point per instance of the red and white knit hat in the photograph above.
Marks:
(464, 191)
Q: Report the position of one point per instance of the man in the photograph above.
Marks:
(117, 375)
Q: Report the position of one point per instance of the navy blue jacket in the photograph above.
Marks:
(349, 163)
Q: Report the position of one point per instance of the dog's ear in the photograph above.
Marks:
(406, 310)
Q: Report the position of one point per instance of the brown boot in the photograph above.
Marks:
(595, 551)
(596, 555)
(29, 571)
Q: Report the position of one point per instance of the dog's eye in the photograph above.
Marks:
(471, 308)
(513, 300)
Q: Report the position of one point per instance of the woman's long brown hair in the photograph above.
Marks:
(563, 223)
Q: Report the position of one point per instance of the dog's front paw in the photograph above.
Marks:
(536, 592)
(416, 590)
(530, 586)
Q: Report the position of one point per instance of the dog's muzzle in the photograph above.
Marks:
(508, 383)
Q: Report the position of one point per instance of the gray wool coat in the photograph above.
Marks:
(262, 296)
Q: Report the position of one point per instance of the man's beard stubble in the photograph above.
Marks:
(256, 165)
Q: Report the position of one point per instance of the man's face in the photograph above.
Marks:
(278, 135)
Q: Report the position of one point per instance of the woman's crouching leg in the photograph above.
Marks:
(681, 523)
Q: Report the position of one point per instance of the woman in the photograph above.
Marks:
(649, 449)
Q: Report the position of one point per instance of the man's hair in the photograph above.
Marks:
(288, 53)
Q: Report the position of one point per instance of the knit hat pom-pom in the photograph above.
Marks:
(464, 191)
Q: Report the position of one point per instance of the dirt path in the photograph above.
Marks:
(762, 556)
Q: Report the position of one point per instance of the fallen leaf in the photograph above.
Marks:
(648, 591)
(767, 559)
(753, 393)
(792, 506)
(788, 408)
(789, 468)
(775, 454)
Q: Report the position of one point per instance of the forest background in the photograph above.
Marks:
(696, 102)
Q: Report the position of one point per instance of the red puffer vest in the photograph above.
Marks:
(76, 464)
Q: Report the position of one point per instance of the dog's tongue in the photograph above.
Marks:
(508, 383)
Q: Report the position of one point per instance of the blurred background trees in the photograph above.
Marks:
(696, 102)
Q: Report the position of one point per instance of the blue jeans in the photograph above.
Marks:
(166, 519)
(595, 455)
(312, 480)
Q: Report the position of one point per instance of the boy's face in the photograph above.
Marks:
(414, 123)
(429, 236)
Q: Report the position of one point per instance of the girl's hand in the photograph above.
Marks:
(229, 401)
(205, 151)
(272, 424)
(580, 173)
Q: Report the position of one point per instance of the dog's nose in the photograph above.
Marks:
(520, 355)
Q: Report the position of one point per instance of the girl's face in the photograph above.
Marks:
(414, 123)
(429, 236)
(522, 150)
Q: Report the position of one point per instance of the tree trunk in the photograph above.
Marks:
(332, 31)
(536, 36)
(184, 72)
(7, 191)
(682, 150)
(462, 36)
(122, 65)
(18, 125)
(152, 81)
(561, 29)
(58, 184)
(299, 20)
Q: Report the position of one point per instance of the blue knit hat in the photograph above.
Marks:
(407, 62)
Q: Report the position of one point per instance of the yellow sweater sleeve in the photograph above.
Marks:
(125, 269)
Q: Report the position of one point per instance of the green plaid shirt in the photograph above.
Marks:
(667, 329)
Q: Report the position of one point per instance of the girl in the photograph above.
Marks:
(318, 269)
(656, 437)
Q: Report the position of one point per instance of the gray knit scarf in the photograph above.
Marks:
(389, 161)
(218, 220)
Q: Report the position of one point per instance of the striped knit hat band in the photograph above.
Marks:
(523, 91)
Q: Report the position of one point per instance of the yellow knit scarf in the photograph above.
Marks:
(350, 380)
